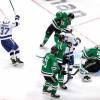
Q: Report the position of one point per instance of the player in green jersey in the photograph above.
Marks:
(66, 46)
(59, 24)
(92, 62)
(50, 69)
(61, 45)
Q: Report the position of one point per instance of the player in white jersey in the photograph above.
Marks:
(6, 39)
(72, 42)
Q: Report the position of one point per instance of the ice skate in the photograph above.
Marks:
(14, 63)
(41, 45)
(55, 96)
(64, 87)
(48, 92)
(19, 62)
(86, 79)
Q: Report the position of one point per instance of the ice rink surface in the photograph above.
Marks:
(25, 83)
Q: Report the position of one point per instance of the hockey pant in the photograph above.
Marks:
(69, 60)
(10, 46)
(49, 31)
(50, 81)
(61, 79)
(92, 65)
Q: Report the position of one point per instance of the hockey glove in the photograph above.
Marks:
(69, 31)
(17, 17)
(66, 59)
(69, 44)
(78, 39)
(62, 72)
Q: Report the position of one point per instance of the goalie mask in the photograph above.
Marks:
(98, 47)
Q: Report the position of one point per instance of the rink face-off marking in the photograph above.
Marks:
(85, 22)
(26, 83)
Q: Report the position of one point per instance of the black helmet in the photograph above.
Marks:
(71, 15)
(54, 48)
(61, 37)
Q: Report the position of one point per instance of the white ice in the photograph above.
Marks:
(26, 83)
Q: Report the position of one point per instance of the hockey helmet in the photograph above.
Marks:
(54, 49)
(71, 15)
(6, 21)
(64, 14)
(59, 15)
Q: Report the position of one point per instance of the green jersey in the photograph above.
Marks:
(62, 47)
(50, 66)
(61, 24)
(92, 53)
(61, 21)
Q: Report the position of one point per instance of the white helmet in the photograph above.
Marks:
(5, 21)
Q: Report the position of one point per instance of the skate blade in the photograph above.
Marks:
(44, 48)
(85, 80)
(14, 64)
(19, 65)
(47, 93)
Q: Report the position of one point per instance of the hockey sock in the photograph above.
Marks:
(54, 90)
(60, 79)
(46, 38)
(12, 55)
(45, 87)
(17, 54)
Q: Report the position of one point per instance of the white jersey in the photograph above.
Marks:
(70, 38)
(6, 30)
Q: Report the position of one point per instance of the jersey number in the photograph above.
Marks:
(4, 30)
(45, 61)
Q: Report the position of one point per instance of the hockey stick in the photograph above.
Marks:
(68, 74)
(71, 74)
(12, 7)
(39, 56)
(75, 72)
